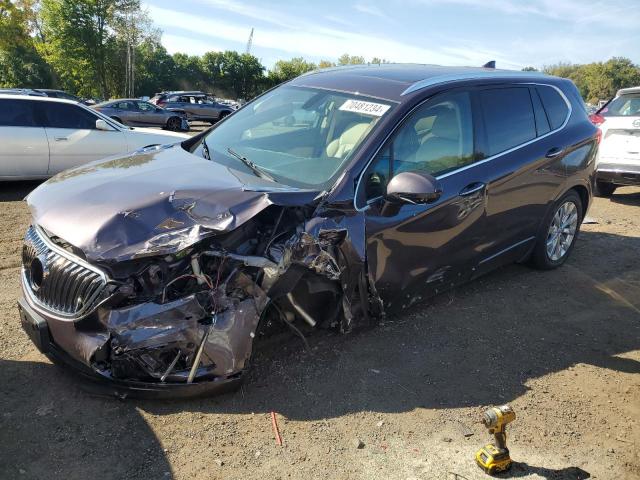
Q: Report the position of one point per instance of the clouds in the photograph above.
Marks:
(451, 32)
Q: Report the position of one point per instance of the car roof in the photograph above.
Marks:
(36, 98)
(394, 81)
(623, 91)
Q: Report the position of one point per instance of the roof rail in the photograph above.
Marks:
(477, 75)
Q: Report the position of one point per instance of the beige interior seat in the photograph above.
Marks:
(341, 146)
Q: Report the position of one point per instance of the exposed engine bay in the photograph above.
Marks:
(192, 316)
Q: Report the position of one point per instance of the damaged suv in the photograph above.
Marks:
(323, 203)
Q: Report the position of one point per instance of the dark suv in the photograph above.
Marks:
(198, 105)
(326, 202)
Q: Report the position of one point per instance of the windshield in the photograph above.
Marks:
(623, 106)
(297, 136)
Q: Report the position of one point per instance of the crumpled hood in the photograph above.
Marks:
(154, 202)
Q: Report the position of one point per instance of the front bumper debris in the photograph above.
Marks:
(37, 329)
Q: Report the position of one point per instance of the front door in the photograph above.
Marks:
(74, 138)
(415, 251)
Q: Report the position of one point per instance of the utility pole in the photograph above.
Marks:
(250, 42)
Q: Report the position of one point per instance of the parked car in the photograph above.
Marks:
(42, 136)
(618, 161)
(134, 113)
(398, 182)
(198, 105)
(21, 91)
(46, 92)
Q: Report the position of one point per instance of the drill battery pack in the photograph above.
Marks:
(493, 459)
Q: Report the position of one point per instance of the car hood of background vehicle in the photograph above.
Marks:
(154, 132)
(153, 202)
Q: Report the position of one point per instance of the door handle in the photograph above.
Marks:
(472, 188)
(554, 152)
(61, 139)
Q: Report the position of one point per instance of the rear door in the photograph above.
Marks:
(524, 158)
(24, 150)
(73, 137)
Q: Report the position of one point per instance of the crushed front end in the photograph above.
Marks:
(170, 322)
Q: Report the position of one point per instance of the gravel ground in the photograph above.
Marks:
(562, 347)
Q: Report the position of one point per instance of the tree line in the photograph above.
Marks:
(110, 48)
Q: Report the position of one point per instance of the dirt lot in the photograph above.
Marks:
(562, 347)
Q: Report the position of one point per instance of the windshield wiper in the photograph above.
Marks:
(260, 172)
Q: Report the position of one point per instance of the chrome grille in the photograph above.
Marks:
(56, 280)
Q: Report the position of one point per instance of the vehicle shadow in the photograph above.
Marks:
(444, 354)
(50, 429)
(16, 191)
(626, 196)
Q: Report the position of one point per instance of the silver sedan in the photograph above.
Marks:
(137, 113)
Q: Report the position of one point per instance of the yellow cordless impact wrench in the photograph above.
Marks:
(495, 458)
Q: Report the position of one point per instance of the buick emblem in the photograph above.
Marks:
(636, 123)
(38, 272)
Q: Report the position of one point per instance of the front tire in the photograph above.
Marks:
(558, 233)
(604, 189)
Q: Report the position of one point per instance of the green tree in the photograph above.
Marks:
(154, 68)
(82, 43)
(20, 63)
(285, 70)
(347, 59)
(188, 72)
(326, 64)
(233, 73)
(600, 80)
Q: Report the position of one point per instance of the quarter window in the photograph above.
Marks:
(62, 115)
(436, 139)
(554, 105)
(508, 118)
(16, 113)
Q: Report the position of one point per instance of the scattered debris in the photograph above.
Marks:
(466, 431)
(276, 430)
(359, 444)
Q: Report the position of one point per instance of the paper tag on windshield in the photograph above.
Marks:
(366, 108)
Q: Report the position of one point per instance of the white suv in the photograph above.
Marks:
(41, 136)
(619, 154)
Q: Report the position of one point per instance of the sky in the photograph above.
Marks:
(515, 33)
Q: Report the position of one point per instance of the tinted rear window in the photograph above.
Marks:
(16, 113)
(508, 118)
(62, 115)
(627, 105)
(554, 105)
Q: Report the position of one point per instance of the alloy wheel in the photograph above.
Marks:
(562, 231)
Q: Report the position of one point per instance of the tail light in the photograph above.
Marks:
(596, 119)
(598, 136)
(160, 103)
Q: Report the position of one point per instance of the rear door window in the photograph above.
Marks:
(62, 115)
(554, 105)
(16, 113)
(542, 122)
(508, 117)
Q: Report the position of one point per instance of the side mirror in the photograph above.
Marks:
(413, 187)
(102, 125)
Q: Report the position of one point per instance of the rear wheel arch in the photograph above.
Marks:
(583, 193)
